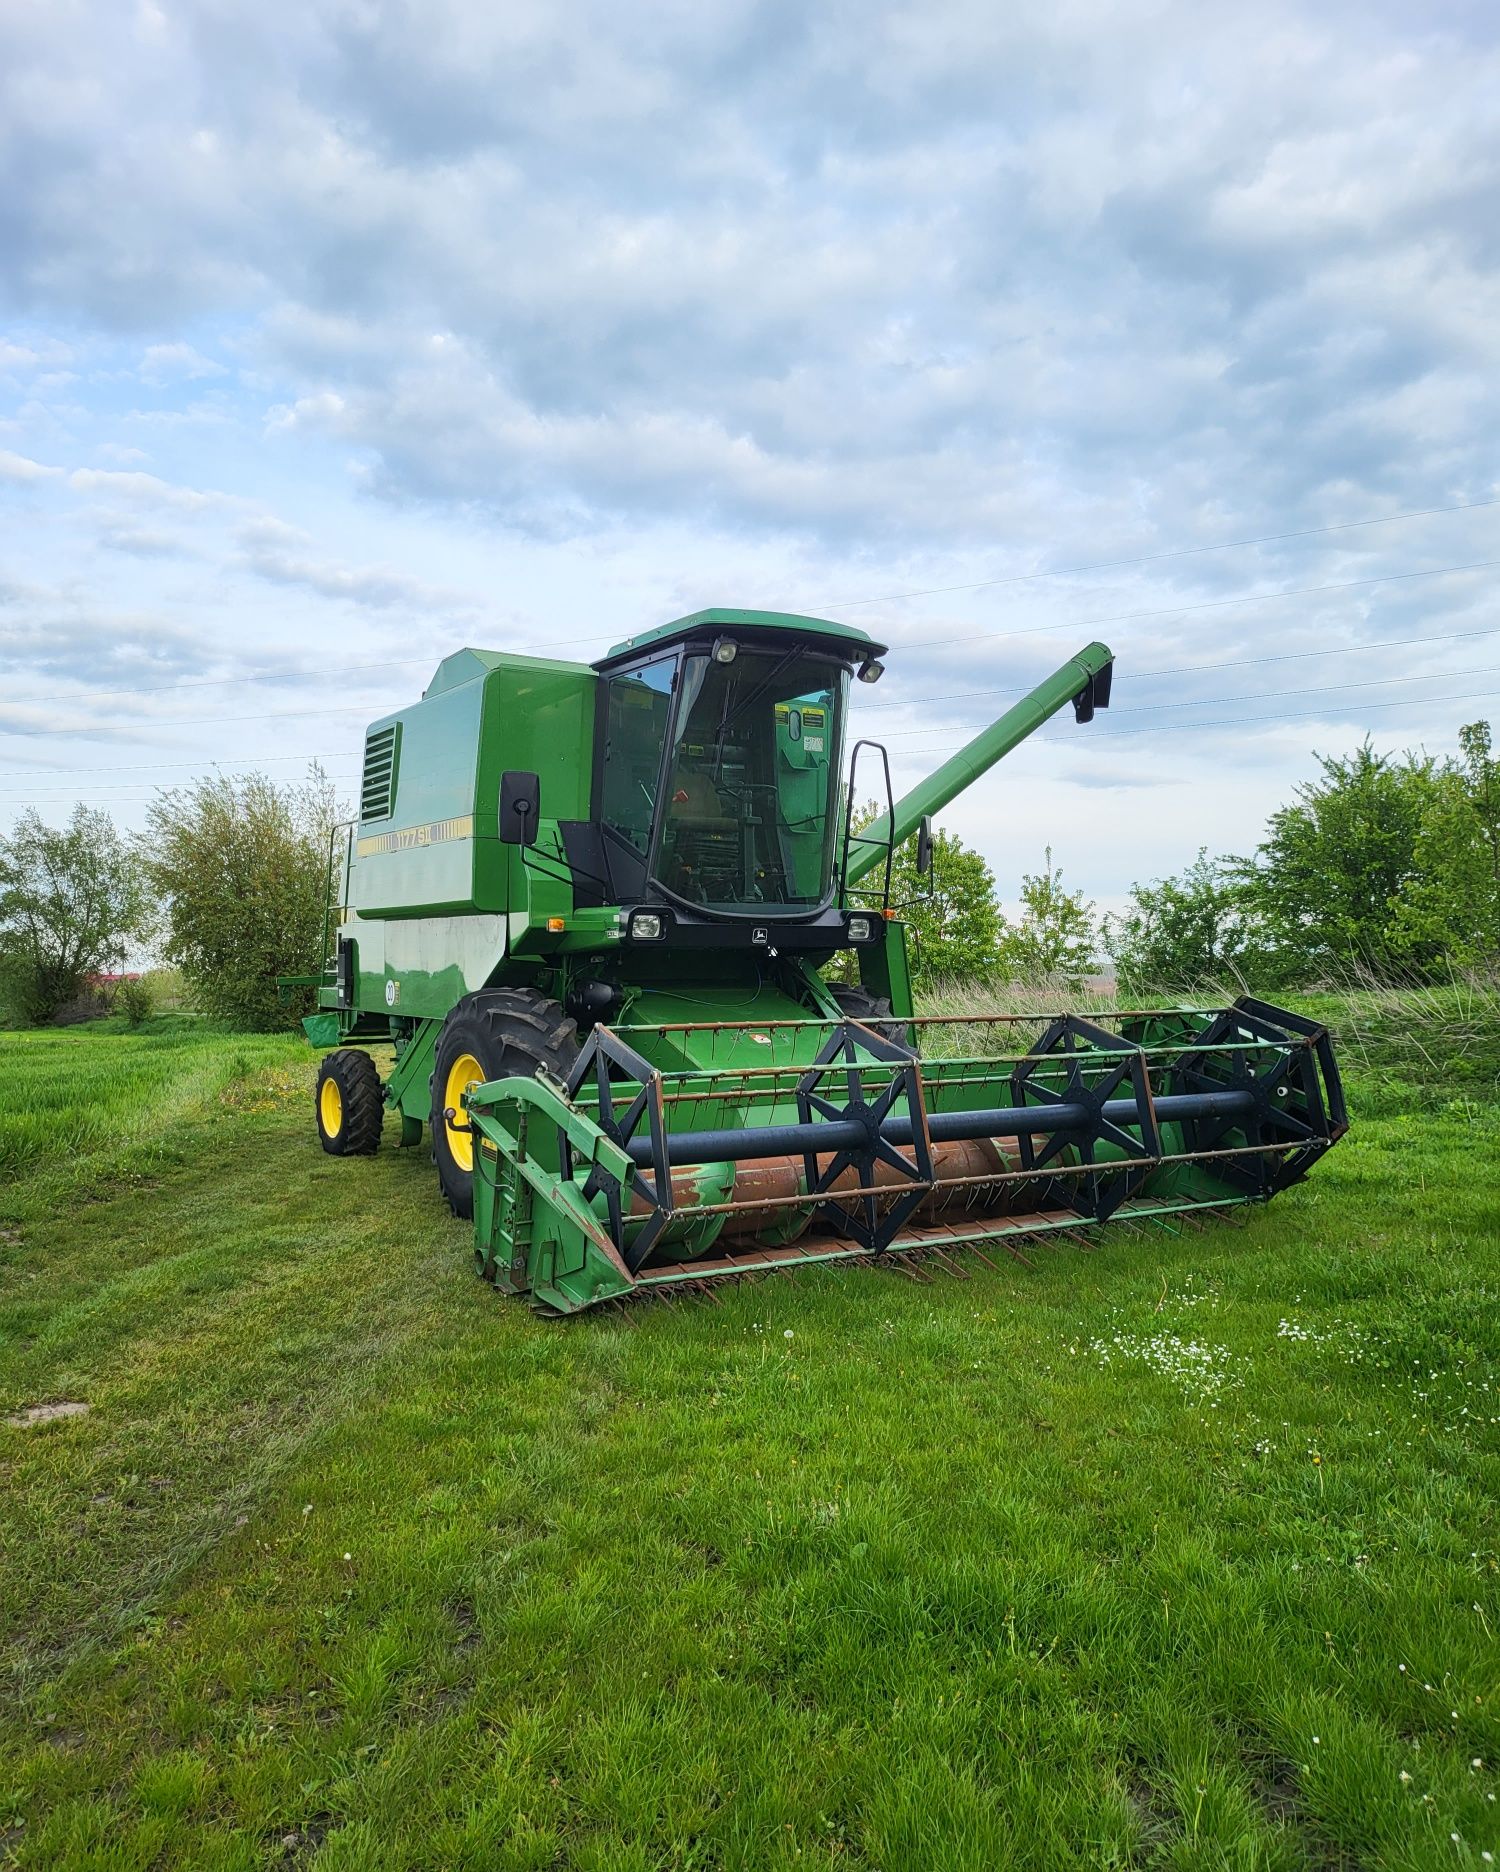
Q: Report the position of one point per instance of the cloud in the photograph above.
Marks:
(920, 272)
(379, 588)
(37, 352)
(621, 311)
(147, 490)
(19, 468)
(162, 363)
(109, 648)
(141, 542)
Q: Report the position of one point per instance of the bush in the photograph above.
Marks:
(135, 1000)
(169, 992)
(952, 919)
(1055, 939)
(72, 901)
(242, 866)
(91, 1003)
(1189, 931)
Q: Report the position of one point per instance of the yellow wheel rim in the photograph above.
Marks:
(465, 1071)
(331, 1108)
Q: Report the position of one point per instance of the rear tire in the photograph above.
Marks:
(872, 1010)
(504, 1033)
(349, 1104)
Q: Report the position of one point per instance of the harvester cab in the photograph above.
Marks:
(593, 911)
(719, 774)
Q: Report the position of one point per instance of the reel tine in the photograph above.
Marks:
(952, 1266)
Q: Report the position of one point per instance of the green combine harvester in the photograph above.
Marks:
(593, 907)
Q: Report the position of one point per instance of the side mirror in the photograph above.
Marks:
(520, 808)
(924, 848)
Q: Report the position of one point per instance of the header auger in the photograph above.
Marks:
(591, 907)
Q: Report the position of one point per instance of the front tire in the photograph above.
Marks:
(349, 1104)
(504, 1033)
(870, 1010)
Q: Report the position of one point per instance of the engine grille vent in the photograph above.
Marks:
(377, 791)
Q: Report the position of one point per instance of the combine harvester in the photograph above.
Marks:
(591, 907)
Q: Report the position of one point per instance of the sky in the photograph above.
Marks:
(335, 336)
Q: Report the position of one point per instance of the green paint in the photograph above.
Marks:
(436, 907)
(407, 1088)
(730, 621)
(973, 761)
(695, 773)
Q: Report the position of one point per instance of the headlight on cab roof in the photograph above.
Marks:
(646, 926)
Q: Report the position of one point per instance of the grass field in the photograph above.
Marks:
(1182, 1552)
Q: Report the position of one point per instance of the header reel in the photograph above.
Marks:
(646, 1170)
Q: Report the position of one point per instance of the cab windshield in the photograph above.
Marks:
(745, 817)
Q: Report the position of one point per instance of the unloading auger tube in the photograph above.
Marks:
(630, 1178)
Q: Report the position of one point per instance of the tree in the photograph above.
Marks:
(242, 866)
(952, 916)
(72, 901)
(1189, 930)
(1449, 909)
(1326, 880)
(1056, 937)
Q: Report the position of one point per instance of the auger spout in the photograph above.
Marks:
(1083, 678)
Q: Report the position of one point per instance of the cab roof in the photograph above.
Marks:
(719, 618)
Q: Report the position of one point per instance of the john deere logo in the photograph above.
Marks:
(758, 934)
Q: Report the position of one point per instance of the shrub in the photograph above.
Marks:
(72, 901)
(1189, 931)
(135, 1000)
(242, 866)
(1055, 940)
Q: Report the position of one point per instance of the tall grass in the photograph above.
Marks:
(1021, 1009)
(1409, 1044)
(73, 1093)
(1421, 1042)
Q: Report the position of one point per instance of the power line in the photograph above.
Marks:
(1194, 669)
(1483, 695)
(143, 791)
(225, 682)
(1263, 695)
(260, 760)
(1122, 617)
(1379, 682)
(187, 721)
(1247, 721)
(1183, 669)
(1207, 604)
(1020, 578)
(1180, 552)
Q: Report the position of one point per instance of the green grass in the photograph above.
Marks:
(110, 1094)
(1179, 1553)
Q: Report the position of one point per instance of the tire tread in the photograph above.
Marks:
(518, 1023)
